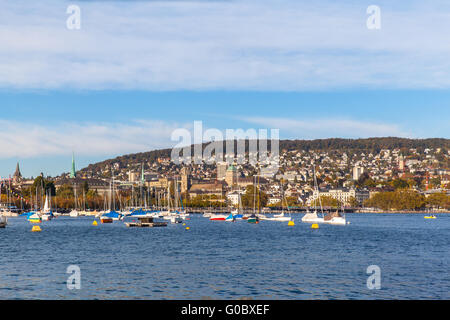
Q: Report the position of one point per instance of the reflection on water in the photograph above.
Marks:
(218, 260)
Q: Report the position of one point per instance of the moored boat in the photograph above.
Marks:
(312, 217)
(3, 222)
(230, 218)
(335, 219)
(146, 222)
(34, 217)
(253, 219)
(218, 217)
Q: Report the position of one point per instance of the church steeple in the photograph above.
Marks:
(73, 173)
(17, 177)
(18, 174)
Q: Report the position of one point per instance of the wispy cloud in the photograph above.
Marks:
(26, 140)
(329, 128)
(242, 45)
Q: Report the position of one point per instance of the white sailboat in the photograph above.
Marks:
(313, 217)
(282, 217)
(336, 218)
(6, 211)
(74, 213)
(46, 213)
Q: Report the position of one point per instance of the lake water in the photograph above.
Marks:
(220, 260)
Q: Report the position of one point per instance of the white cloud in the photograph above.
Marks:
(200, 45)
(329, 128)
(26, 140)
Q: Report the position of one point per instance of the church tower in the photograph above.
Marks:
(17, 178)
(73, 173)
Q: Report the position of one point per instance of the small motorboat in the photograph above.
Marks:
(218, 217)
(230, 218)
(146, 222)
(47, 217)
(34, 218)
(3, 222)
(431, 217)
(253, 219)
(104, 220)
(74, 214)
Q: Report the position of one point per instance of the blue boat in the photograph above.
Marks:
(110, 217)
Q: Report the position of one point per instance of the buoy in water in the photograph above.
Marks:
(36, 229)
(315, 226)
(187, 229)
(95, 223)
(291, 223)
(184, 224)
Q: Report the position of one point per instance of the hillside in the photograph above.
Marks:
(371, 145)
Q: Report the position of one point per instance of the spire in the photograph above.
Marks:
(73, 173)
(17, 174)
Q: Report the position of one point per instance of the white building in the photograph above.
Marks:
(342, 195)
(357, 172)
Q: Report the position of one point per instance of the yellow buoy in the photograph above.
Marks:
(36, 229)
(188, 228)
(315, 226)
(95, 223)
(184, 224)
(291, 223)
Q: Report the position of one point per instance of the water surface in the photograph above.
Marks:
(219, 260)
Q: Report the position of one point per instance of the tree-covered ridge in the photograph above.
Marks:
(371, 145)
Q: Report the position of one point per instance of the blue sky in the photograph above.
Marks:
(138, 70)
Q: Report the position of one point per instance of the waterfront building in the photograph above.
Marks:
(233, 197)
(344, 196)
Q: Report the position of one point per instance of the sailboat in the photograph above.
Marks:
(74, 213)
(238, 214)
(112, 215)
(6, 211)
(335, 219)
(170, 215)
(312, 217)
(46, 213)
(281, 217)
(33, 216)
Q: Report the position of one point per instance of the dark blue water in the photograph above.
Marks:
(219, 260)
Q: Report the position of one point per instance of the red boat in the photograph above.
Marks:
(218, 217)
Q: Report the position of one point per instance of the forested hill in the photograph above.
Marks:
(371, 145)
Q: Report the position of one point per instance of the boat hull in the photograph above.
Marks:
(106, 220)
(337, 222)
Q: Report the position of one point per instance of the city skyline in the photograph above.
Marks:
(286, 67)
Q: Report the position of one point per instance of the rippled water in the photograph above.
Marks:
(219, 260)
